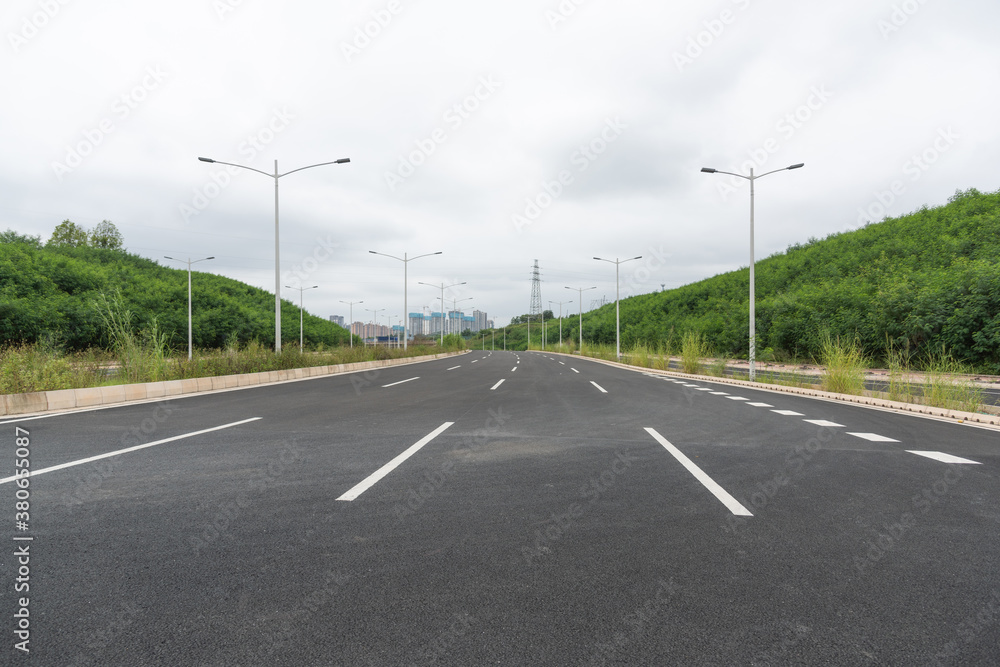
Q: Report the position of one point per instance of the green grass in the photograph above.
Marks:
(693, 349)
(944, 386)
(845, 367)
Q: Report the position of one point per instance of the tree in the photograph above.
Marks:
(106, 235)
(68, 233)
(10, 236)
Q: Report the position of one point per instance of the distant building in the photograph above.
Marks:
(338, 320)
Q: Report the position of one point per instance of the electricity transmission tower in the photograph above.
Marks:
(536, 293)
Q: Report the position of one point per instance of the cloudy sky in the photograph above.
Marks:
(497, 133)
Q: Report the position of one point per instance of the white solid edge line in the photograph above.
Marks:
(943, 458)
(731, 503)
(497, 384)
(602, 389)
(128, 449)
(393, 384)
(373, 478)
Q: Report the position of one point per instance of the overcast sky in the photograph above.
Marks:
(497, 133)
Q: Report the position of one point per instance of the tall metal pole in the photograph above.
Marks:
(580, 291)
(618, 330)
(753, 328)
(405, 261)
(277, 252)
(301, 292)
(350, 316)
(189, 262)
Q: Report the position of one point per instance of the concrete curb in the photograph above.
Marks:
(91, 397)
(958, 416)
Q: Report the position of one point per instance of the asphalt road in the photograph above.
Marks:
(501, 509)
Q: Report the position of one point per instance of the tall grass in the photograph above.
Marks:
(898, 362)
(944, 387)
(663, 354)
(845, 366)
(693, 348)
(640, 355)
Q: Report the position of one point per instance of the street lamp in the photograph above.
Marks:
(618, 329)
(454, 309)
(375, 312)
(752, 178)
(189, 263)
(301, 290)
(560, 316)
(277, 254)
(350, 316)
(405, 262)
(442, 302)
(581, 290)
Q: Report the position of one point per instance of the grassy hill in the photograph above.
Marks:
(920, 281)
(49, 294)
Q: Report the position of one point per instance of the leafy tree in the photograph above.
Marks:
(106, 235)
(69, 234)
(10, 236)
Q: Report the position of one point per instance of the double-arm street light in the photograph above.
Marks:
(350, 316)
(618, 329)
(301, 291)
(277, 253)
(751, 178)
(580, 291)
(405, 261)
(442, 286)
(375, 312)
(560, 316)
(189, 262)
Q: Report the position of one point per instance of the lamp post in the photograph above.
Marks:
(189, 263)
(752, 178)
(442, 302)
(350, 316)
(560, 316)
(618, 329)
(277, 254)
(301, 290)
(581, 290)
(405, 262)
(375, 313)
(454, 309)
